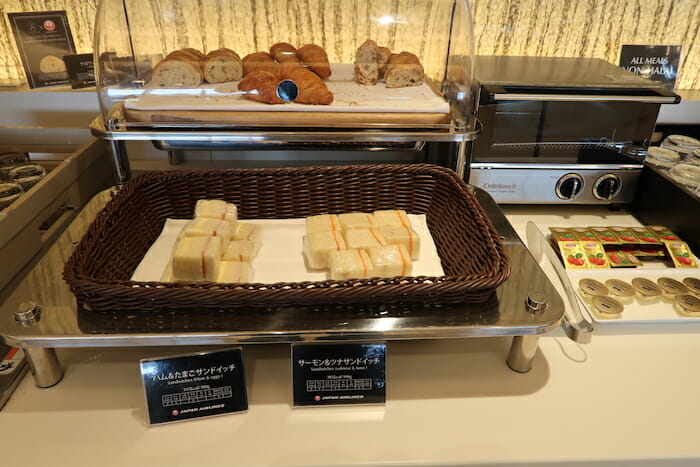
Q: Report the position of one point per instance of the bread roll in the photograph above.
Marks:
(260, 61)
(403, 70)
(284, 52)
(383, 54)
(366, 63)
(176, 73)
(316, 59)
(222, 65)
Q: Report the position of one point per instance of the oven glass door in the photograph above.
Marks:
(560, 131)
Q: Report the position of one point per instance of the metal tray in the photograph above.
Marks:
(62, 324)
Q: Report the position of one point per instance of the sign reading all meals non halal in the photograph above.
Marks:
(43, 38)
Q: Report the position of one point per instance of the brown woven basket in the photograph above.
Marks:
(472, 255)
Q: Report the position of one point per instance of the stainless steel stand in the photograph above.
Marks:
(522, 352)
(44, 366)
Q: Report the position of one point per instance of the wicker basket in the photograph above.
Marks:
(472, 255)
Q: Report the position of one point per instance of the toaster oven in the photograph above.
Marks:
(562, 130)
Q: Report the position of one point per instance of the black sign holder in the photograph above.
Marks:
(338, 374)
(194, 385)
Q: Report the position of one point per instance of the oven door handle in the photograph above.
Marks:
(661, 96)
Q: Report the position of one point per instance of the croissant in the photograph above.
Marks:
(315, 58)
(284, 53)
(312, 89)
(261, 86)
(260, 61)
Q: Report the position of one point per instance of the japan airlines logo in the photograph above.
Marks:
(49, 25)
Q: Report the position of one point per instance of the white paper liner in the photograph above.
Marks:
(348, 96)
(280, 258)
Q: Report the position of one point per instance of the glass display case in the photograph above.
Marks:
(226, 71)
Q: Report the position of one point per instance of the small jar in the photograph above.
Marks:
(693, 157)
(671, 287)
(607, 307)
(9, 193)
(620, 290)
(27, 175)
(646, 291)
(592, 288)
(662, 157)
(9, 161)
(686, 174)
(693, 283)
(688, 305)
(683, 142)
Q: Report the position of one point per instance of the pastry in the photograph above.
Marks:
(261, 86)
(240, 250)
(216, 209)
(356, 220)
(403, 70)
(366, 63)
(322, 223)
(222, 65)
(350, 264)
(284, 52)
(312, 89)
(316, 59)
(391, 217)
(317, 246)
(383, 54)
(364, 238)
(390, 260)
(402, 235)
(234, 271)
(188, 53)
(260, 61)
(176, 73)
(196, 259)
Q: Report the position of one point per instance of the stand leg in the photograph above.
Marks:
(44, 365)
(120, 161)
(522, 352)
(175, 157)
(461, 158)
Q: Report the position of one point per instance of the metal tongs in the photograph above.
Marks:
(576, 326)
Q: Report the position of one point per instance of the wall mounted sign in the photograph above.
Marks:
(655, 62)
(81, 70)
(339, 374)
(43, 38)
(195, 385)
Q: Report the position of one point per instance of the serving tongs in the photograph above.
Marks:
(576, 326)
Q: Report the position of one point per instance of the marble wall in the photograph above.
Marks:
(588, 28)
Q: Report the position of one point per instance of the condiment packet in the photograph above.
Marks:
(663, 233)
(573, 255)
(595, 255)
(605, 235)
(562, 234)
(584, 234)
(625, 234)
(646, 236)
(680, 254)
(620, 259)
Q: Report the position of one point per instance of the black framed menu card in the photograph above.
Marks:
(81, 70)
(655, 62)
(339, 374)
(195, 385)
(43, 38)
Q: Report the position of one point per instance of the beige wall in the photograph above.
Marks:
(589, 28)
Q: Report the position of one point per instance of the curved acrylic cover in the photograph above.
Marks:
(131, 37)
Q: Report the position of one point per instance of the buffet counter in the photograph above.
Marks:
(619, 400)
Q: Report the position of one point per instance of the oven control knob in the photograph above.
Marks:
(569, 186)
(607, 187)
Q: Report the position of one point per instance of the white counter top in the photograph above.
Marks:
(630, 399)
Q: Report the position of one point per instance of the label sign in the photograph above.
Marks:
(194, 386)
(43, 38)
(655, 62)
(81, 70)
(339, 374)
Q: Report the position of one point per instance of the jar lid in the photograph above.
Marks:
(27, 170)
(645, 287)
(693, 283)
(11, 159)
(10, 189)
(663, 154)
(619, 288)
(592, 287)
(607, 305)
(687, 174)
(672, 286)
(688, 303)
(685, 142)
